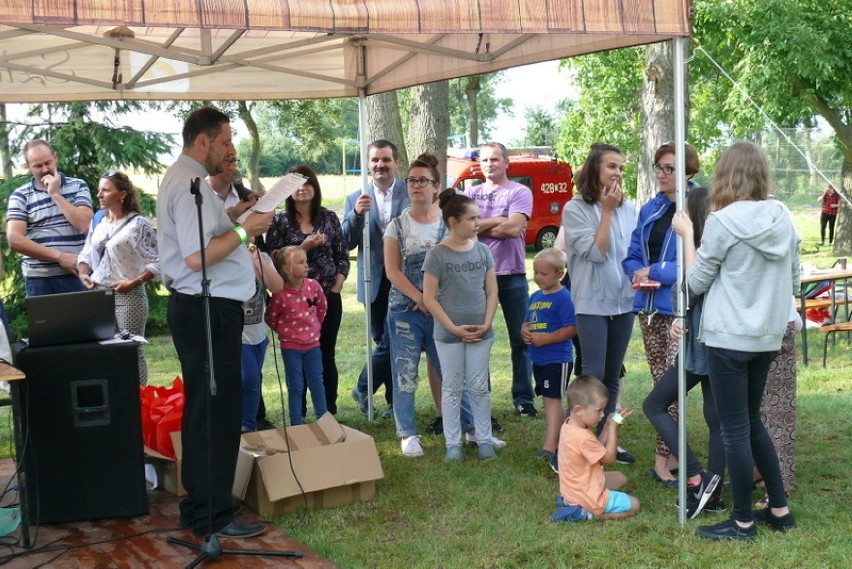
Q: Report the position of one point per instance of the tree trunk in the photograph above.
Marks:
(254, 154)
(657, 114)
(384, 122)
(5, 153)
(429, 122)
(471, 90)
(843, 228)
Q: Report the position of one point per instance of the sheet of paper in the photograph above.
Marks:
(275, 196)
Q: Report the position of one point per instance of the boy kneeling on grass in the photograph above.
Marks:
(585, 490)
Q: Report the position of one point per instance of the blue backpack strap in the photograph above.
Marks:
(96, 219)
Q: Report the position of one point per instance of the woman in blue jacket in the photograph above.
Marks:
(651, 265)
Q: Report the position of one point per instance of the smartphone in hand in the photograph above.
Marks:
(648, 284)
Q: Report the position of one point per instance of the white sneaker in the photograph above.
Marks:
(411, 446)
(495, 442)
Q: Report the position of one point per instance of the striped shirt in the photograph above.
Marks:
(45, 223)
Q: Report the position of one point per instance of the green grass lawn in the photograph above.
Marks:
(497, 514)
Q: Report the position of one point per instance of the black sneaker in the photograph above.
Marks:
(554, 462)
(715, 505)
(778, 523)
(698, 496)
(728, 530)
(436, 427)
(526, 409)
(544, 455)
(496, 427)
(624, 457)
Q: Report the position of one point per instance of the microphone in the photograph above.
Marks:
(195, 189)
(237, 181)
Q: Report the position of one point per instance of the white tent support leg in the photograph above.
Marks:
(679, 45)
(365, 238)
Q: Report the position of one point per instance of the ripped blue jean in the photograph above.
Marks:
(410, 333)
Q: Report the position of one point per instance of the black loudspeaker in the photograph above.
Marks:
(82, 432)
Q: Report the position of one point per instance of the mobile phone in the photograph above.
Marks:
(646, 284)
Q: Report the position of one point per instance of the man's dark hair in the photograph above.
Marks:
(205, 120)
(382, 143)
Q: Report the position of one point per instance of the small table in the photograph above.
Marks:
(818, 275)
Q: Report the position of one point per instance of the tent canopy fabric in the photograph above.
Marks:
(71, 50)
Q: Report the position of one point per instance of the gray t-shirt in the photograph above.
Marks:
(461, 286)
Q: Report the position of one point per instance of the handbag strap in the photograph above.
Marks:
(103, 244)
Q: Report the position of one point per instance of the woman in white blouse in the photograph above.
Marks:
(121, 253)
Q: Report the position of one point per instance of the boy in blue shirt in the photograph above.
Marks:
(547, 329)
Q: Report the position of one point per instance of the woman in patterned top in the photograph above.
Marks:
(121, 253)
(317, 230)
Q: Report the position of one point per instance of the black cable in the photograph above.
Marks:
(56, 545)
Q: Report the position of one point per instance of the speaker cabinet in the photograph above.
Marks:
(82, 433)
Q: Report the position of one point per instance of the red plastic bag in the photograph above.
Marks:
(162, 412)
(818, 315)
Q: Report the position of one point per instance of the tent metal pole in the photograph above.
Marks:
(365, 237)
(679, 44)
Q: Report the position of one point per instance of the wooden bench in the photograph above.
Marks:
(824, 303)
(830, 329)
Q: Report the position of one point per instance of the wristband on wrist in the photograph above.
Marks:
(242, 233)
(617, 418)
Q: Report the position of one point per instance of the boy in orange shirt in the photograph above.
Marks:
(585, 490)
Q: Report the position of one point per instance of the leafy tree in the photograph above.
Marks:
(541, 129)
(796, 56)
(608, 108)
(474, 106)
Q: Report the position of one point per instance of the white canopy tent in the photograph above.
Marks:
(72, 50)
(79, 50)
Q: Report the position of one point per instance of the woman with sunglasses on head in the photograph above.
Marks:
(121, 253)
(651, 265)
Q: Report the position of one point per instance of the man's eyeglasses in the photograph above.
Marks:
(667, 170)
(419, 182)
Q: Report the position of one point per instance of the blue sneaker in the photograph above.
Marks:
(569, 512)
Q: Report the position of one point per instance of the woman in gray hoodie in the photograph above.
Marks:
(747, 267)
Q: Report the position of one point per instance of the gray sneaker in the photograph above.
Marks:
(486, 451)
(454, 454)
(387, 413)
(361, 398)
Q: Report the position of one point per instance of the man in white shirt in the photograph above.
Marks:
(384, 198)
(208, 507)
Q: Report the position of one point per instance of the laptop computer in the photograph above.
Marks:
(71, 317)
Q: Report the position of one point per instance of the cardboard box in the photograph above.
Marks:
(168, 469)
(333, 463)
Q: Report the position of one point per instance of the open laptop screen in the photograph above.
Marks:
(71, 317)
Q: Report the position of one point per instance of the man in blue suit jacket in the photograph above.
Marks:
(386, 197)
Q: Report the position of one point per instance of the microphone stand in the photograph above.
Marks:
(210, 548)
